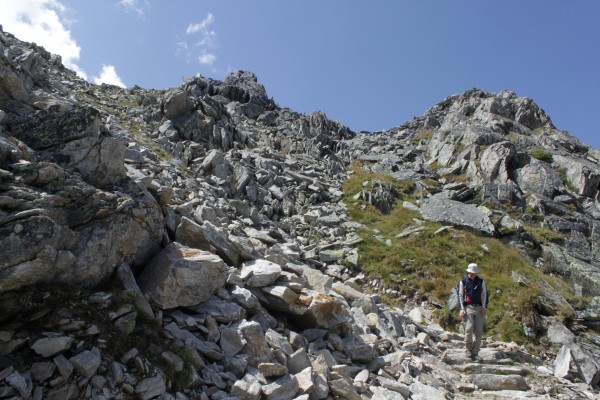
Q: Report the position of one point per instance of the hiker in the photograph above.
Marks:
(473, 301)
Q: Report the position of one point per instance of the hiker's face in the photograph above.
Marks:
(471, 275)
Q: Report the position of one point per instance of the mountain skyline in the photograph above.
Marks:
(371, 67)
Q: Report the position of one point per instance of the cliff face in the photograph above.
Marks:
(216, 219)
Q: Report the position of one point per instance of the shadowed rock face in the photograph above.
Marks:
(235, 257)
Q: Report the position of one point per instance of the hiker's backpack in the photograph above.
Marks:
(464, 282)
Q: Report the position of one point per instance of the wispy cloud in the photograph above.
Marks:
(44, 22)
(137, 7)
(202, 25)
(200, 42)
(108, 75)
(207, 58)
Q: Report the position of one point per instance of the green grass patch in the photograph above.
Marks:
(542, 155)
(422, 134)
(456, 178)
(544, 235)
(562, 174)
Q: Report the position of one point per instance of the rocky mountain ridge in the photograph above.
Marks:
(193, 242)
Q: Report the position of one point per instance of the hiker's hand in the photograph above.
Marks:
(483, 311)
(461, 314)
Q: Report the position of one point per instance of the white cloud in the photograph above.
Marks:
(208, 40)
(44, 23)
(202, 25)
(201, 49)
(135, 6)
(207, 58)
(109, 75)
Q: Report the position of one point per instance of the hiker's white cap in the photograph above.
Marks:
(473, 268)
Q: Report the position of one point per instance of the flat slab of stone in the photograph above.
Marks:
(260, 273)
(501, 394)
(284, 388)
(380, 393)
(420, 391)
(475, 368)
(440, 208)
(488, 356)
(500, 382)
(151, 387)
(50, 346)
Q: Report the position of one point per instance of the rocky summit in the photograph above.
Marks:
(199, 243)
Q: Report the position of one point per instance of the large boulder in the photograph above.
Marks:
(496, 160)
(539, 177)
(583, 175)
(56, 228)
(176, 104)
(260, 273)
(325, 311)
(440, 208)
(587, 368)
(55, 126)
(182, 276)
(74, 139)
(580, 272)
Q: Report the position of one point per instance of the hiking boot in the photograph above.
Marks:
(475, 357)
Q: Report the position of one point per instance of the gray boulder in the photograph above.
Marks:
(538, 177)
(325, 311)
(182, 276)
(86, 363)
(592, 312)
(256, 347)
(151, 387)
(284, 388)
(176, 104)
(260, 273)
(496, 160)
(439, 208)
(583, 175)
(50, 346)
(65, 232)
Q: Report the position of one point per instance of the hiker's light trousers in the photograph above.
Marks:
(473, 327)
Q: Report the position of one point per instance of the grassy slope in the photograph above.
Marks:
(428, 266)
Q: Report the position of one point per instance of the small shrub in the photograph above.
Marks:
(453, 178)
(566, 315)
(542, 155)
(544, 235)
(510, 329)
(562, 174)
(422, 134)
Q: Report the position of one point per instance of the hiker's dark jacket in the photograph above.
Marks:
(472, 292)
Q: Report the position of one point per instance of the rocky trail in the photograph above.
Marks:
(231, 347)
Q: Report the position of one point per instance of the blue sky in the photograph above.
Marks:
(371, 65)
